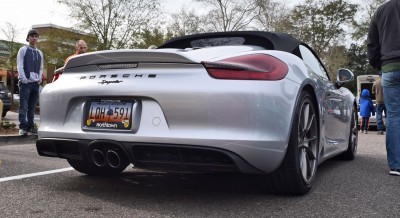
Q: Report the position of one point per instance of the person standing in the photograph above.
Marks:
(383, 50)
(30, 69)
(380, 104)
(366, 109)
(80, 48)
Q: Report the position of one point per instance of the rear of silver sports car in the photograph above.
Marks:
(185, 110)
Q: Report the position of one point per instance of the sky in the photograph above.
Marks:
(23, 14)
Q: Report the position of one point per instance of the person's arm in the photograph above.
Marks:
(373, 46)
(41, 68)
(20, 65)
(373, 88)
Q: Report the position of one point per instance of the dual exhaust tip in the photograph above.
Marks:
(110, 157)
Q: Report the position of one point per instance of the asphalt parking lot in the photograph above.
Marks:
(35, 186)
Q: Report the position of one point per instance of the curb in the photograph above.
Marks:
(16, 139)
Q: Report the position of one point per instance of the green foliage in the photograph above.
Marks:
(58, 43)
(9, 46)
(10, 60)
(7, 125)
(357, 60)
(15, 106)
(367, 10)
(150, 37)
(321, 23)
(335, 58)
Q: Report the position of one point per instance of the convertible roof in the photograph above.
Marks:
(268, 40)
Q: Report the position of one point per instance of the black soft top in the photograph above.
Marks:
(267, 40)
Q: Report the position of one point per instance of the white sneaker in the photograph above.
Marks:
(394, 172)
(22, 132)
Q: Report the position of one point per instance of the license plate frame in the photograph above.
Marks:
(108, 114)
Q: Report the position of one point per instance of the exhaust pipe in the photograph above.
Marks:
(98, 158)
(113, 159)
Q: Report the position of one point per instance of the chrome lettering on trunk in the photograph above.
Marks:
(110, 81)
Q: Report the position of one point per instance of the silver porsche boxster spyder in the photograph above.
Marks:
(249, 102)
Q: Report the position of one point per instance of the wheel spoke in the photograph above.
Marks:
(306, 114)
(310, 122)
(309, 152)
(303, 164)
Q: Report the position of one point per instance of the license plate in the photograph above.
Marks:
(109, 114)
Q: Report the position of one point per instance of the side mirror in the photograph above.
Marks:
(344, 76)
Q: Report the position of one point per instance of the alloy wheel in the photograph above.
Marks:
(308, 140)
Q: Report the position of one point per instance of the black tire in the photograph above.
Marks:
(93, 170)
(351, 151)
(4, 113)
(297, 172)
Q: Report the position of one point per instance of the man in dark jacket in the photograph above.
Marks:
(383, 45)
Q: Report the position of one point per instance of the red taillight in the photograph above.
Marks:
(248, 67)
(56, 76)
(57, 73)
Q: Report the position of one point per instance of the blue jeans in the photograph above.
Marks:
(28, 97)
(364, 123)
(379, 119)
(391, 90)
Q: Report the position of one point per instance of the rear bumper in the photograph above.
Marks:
(149, 155)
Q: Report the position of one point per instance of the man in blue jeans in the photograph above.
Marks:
(30, 69)
(380, 104)
(383, 48)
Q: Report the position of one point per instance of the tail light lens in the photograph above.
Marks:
(57, 73)
(248, 67)
(56, 76)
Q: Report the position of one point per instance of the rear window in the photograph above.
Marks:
(210, 42)
(221, 39)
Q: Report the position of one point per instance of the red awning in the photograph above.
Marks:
(2, 73)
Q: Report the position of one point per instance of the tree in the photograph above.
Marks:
(59, 43)
(185, 22)
(358, 52)
(11, 32)
(321, 23)
(229, 15)
(150, 37)
(361, 26)
(271, 14)
(358, 61)
(114, 22)
(335, 58)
